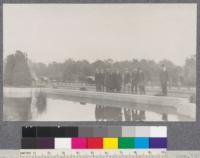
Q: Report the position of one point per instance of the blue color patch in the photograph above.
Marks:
(141, 143)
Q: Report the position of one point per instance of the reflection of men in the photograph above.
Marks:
(164, 79)
(106, 113)
(164, 117)
(127, 114)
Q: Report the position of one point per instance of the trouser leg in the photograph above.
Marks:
(165, 89)
(136, 88)
(131, 87)
(144, 91)
(96, 86)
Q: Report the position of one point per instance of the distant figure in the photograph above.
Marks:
(141, 82)
(126, 81)
(134, 81)
(97, 80)
(164, 79)
(102, 78)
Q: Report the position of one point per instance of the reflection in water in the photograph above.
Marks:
(105, 113)
(45, 108)
(127, 114)
(16, 109)
(62, 110)
(23, 109)
(41, 103)
(134, 115)
(83, 103)
(164, 117)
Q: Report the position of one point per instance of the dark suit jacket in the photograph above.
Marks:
(164, 77)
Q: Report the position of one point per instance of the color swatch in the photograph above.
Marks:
(105, 137)
(110, 143)
(142, 143)
(62, 143)
(95, 143)
(126, 143)
(79, 143)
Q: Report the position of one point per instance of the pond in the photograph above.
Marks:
(43, 107)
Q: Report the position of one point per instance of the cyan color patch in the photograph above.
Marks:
(141, 142)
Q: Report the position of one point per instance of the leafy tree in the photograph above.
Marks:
(9, 70)
(40, 69)
(54, 71)
(17, 72)
(190, 71)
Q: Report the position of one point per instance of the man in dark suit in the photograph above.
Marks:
(134, 80)
(107, 80)
(126, 81)
(113, 80)
(118, 81)
(102, 78)
(164, 78)
(141, 82)
(97, 80)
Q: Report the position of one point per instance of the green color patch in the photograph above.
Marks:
(125, 142)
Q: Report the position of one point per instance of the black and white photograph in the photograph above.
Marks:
(99, 62)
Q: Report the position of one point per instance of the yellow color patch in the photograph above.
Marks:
(110, 143)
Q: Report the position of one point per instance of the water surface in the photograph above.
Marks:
(44, 107)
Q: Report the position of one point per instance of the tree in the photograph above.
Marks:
(40, 69)
(9, 70)
(17, 72)
(54, 71)
(190, 71)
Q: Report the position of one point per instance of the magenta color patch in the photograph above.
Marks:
(79, 143)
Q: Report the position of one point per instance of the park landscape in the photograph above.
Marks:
(27, 84)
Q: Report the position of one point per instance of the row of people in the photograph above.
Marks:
(111, 80)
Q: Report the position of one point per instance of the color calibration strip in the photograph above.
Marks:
(106, 137)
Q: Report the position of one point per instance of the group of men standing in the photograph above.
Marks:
(108, 80)
(112, 80)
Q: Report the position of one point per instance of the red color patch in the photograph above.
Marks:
(95, 143)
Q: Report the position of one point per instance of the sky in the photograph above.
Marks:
(56, 32)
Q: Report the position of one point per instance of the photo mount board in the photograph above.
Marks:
(181, 135)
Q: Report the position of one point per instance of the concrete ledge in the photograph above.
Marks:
(182, 105)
